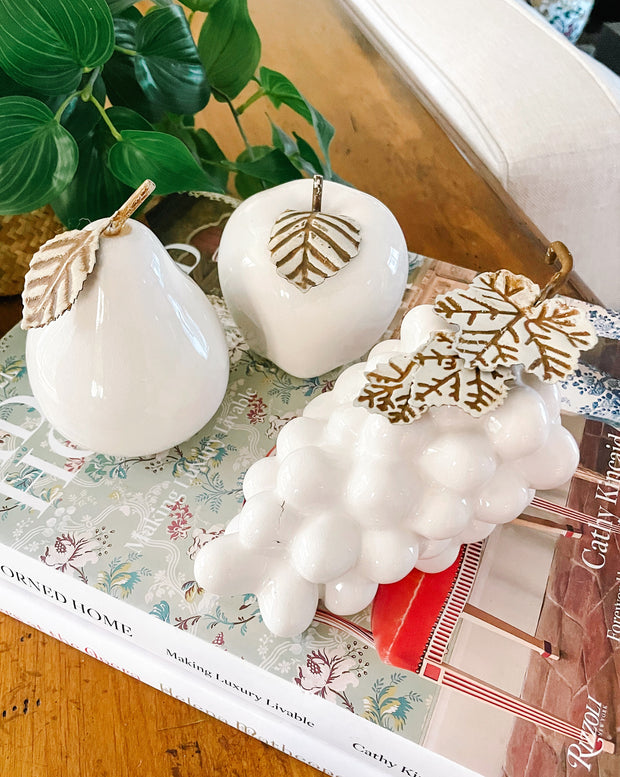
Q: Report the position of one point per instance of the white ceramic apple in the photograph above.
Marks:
(308, 332)
(139, 362)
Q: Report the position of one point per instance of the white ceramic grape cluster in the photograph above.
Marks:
(350, 500)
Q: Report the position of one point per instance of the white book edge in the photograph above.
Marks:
(160, 674)
(218, 671)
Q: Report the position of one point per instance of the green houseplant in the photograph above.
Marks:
(96, 96)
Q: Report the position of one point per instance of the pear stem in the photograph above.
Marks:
(118, 219)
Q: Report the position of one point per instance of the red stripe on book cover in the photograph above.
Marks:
(414, 618)
(568, 512)
(510, 703)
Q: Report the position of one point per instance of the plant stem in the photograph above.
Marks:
(235, 114)
(63, 107)
(123, 50)
(115, 133)
(87, 91)
(252, 99)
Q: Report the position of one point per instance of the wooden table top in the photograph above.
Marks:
(64, 713)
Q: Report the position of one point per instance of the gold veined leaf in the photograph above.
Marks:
(309, 247)
(60, 267)
(57, 273)
(500, 325)
(388, 388)
(443, 378)
(409, 384)
(557, 333)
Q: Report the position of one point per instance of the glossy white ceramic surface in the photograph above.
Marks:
(309, 333)
(139, 363)
(350, 500)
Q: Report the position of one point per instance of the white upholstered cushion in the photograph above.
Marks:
(541, 115)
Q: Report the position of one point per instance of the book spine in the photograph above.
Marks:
(160, 674)
(328, 724)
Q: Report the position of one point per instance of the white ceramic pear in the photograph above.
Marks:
(139, 363)
(308, 332)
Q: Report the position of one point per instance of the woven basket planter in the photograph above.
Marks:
(20, 237)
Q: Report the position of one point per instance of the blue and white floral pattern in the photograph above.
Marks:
(568, 16)
(593, 393)
(591, 390)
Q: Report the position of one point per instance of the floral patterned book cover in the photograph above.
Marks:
(129, 529)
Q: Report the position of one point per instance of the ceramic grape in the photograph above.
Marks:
(350, 500)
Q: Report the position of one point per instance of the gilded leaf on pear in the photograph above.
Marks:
(57, 273)
(309, 247)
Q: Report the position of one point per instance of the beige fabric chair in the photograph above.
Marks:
(541, 115)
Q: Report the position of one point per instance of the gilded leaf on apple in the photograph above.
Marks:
(309, 247)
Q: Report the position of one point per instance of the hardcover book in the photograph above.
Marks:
(514, 666)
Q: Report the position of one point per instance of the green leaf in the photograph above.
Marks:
(94, 191)
(211, 157)
(167, 66)
(118, 6)
(160, 157)
(281, 140)
(280, 90)
(247, 185)
(207, 147)
(201, 145)
(309, 155)
(307, 162)
(124, 118)
(46, 44)
(38, 157)
(79, 117)
(229, 47)
(199, 5)
(119, 72)
(273, 167)
(11, 88)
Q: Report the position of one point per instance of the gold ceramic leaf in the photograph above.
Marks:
(388, 388)
(444, 379)
(60, 267)
(309, 247)
(408, 385)
(57, 273)
(501, 325)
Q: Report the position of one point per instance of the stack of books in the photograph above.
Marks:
(98, 552)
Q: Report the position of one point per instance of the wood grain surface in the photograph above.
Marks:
(63, 713)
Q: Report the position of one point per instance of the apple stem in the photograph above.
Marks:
(118, 219)
(317, 192)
